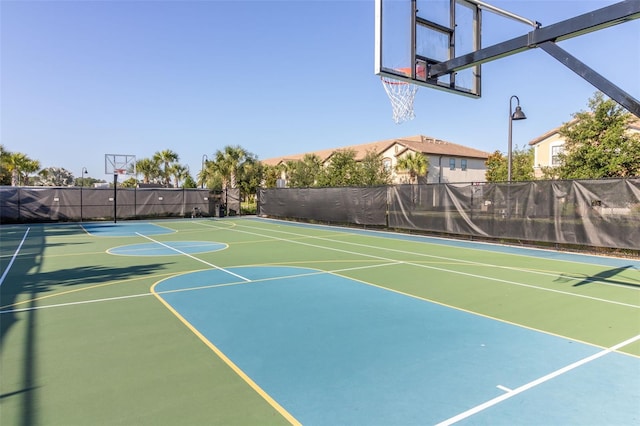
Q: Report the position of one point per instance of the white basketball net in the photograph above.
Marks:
(401, 95)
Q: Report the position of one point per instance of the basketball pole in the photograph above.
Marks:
(115, 197)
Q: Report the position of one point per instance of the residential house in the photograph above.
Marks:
(546, 147)
(448, 162)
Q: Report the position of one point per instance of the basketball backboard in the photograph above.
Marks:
(412, 35)
(436, 43)
(120, 164)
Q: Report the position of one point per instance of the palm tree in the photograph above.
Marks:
(414, 163)
(218, 170)
(19, 166)
(166, 158)
(179, 173)
(31, 166)
(148, 168)
(5, 177)
(204, 175)
(228, 163)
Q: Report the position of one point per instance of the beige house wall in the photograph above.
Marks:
(542, 152)
(439, 170)
(544, 145)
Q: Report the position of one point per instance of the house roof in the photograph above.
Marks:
(419, 143)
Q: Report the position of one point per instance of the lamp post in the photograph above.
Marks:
(518, 114)
(82, 173)
(204, 163)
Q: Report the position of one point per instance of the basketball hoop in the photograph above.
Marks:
(401, 94)
(119, 164)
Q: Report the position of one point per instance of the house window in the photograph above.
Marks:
(463, 164)
(452, 163)
(555, 151)
(386, 163)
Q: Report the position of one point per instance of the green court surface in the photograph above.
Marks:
(249, 321)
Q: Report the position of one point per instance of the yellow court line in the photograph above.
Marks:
(280, 409)
(457, 308)
(83, 289)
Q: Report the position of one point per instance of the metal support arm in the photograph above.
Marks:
(546, 37)
(598, 81)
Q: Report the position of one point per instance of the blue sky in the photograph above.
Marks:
(80, 79)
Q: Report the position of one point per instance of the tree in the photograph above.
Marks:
(373, 171)
(270, 176)
(342, 170)
(219, 170)
(250, 177)
(30, 167)
(496, 167)
(179, 173)
(597, 143)
(19, 166)
(304, 173)
(189, 182)
(5, 175)
(87, 181)
(521, 166)
(228, 162)
(204, 175)
(129, 183)
(164, 159)
(416, 164)
(55, 176)
(148, 168)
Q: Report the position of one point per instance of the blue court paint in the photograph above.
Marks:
(604, 392)
(130, 229)
(332, 351)
(167, 248)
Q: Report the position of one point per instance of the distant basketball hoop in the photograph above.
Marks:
(401, 94)
(118, 165)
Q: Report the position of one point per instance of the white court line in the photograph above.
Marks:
(536, 382)
(194, 258)
(6, 271)
(551, 290)
(469, 262)
(180, 290)
(470, 245)
(82, 302)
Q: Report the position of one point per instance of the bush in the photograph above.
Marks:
(248, 207)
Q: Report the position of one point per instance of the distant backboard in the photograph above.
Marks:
(412, 35)
(120, 164)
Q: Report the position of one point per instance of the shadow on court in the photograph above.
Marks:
(11, 288)
(606, 277)
(23, 285)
